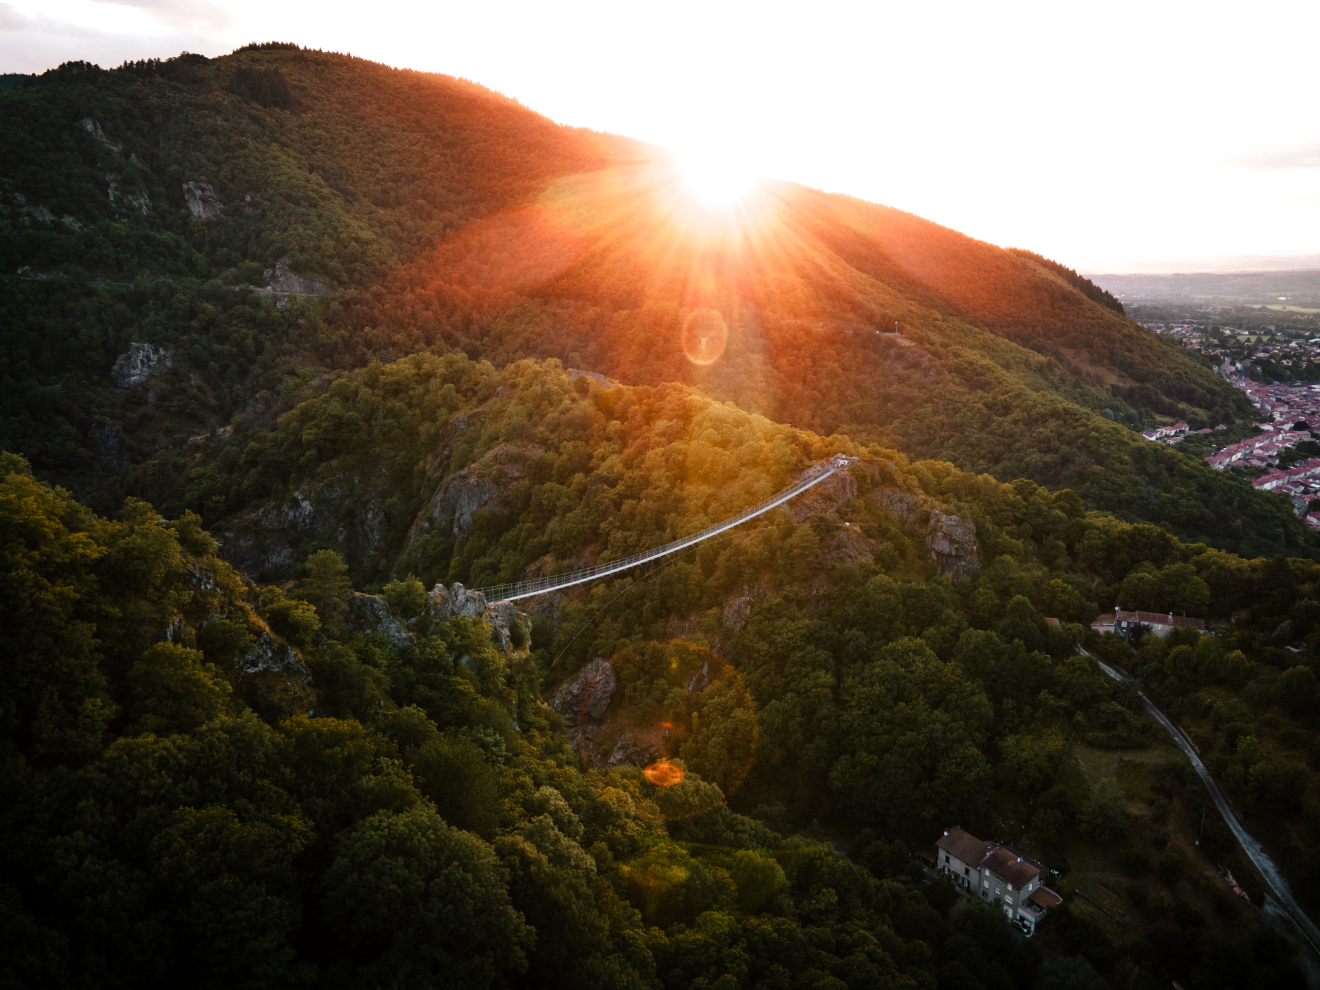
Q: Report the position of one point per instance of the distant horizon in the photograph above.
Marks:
(1241, 265)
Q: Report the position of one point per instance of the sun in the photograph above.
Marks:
(715, 177)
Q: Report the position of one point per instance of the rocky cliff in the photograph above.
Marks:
(139, 363)
(952, 543)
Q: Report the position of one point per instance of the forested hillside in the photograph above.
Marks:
(153, 203)
(234, 784)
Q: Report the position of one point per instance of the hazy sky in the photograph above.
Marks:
(1111, 136)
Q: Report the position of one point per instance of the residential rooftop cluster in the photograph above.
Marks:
(1259, 451)
(1282, 403)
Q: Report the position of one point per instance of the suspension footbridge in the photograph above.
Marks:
(540, 586)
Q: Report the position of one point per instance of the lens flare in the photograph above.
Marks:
(716, 178)
(705, 336)
(662, 773)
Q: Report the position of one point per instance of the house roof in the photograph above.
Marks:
(1045, 898)
(1010, 867)
(1158, 618)
(962, 845)
(1107, 619)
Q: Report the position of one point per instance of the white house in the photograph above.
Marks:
(996, 874)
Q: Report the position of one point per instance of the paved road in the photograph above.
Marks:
(1255, 852)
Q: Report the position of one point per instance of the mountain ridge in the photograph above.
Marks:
(443, 215)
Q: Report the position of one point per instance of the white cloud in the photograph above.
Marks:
(185, 15)
(12, 19)
(1288, 156)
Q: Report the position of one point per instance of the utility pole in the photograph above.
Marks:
(1201, 828)
(1089, 880)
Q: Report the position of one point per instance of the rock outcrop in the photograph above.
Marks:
(265, 559)
(371, 528)
(305, 512)
(634, 749)
(952, 543)
(284, 281)
(906, 506)
(371, 614)
(851, 546)
(583, 699)
(139, 363)
(503, 617)
(94, 129)
(202, 201)
(268, 656)
(575, 373)
(461, 500)
(478, 486)
(828, 496)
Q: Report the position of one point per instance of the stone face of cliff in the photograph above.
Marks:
(478, 486)
(267, 543)
(504, 617)
(371, 614)
(139, 363)
(268, 656)
(583, 700)
(952, 543)
(824, 498)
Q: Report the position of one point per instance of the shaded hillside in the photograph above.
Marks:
(221, 784)
(479, 475)
(153, 204)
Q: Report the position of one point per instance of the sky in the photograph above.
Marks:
(1113, 137)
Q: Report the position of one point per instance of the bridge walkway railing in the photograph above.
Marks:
(541, 586)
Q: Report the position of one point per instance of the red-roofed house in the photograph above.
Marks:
(997, 874)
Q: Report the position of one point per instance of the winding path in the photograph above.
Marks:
(1255, 852)
(539, 586)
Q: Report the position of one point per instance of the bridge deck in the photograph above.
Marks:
(540, 586)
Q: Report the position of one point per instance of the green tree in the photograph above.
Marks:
(407, 598)
(327, 585)
(172, 689)
(758, 877)
(1295, 691)
(453, 772)
(419, 903)
(1106, 816)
